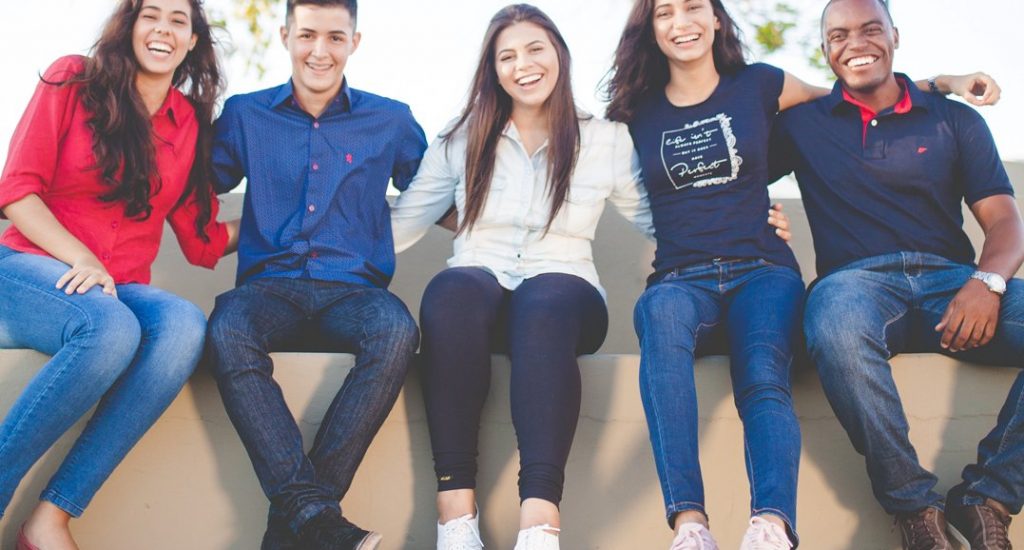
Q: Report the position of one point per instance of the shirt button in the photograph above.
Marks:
(874, 123)
(316, 124)
(106, 256)
(114, 225)
(316, 167)
(313, 254)
(311, 208)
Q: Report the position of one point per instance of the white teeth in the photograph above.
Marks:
(686, 38)
(526, 80)
(861, 61)
(159, 47)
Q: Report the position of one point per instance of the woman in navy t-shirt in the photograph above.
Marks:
(701, 118)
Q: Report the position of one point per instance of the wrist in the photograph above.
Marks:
(994, 281)
(939, 84)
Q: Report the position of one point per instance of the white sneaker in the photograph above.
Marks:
(460, 534)
(537, 537)
(693, 536)
(765, 535)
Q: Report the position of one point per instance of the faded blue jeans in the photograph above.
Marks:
(751, 309)
(280, 314)
(131, 354)
(860, 316)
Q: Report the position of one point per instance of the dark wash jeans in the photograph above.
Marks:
(753, 307)
(277, 314)
(860, 316)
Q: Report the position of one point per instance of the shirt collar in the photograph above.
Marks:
(911, 98)
(286, 96)
(172, 106)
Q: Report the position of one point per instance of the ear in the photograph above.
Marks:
(192, 43)
(718, 24)
(284, 36)
(356, 39)
(895, 38)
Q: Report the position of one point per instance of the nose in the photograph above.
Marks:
(320, 47)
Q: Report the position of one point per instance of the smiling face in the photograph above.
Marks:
(859, 41)
(162, 37)
(527, 64)
(685, 29)
(320, 40)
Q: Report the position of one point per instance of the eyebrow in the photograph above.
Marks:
(868, 24)
(157, 8)
(314, 31)
(538, 41)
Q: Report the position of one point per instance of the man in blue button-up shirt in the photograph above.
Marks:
(315, 258)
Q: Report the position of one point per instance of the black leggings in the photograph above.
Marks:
(543, 325)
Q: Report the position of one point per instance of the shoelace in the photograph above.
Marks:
(920, 531)
(693, 536)
(765, 535)
(539, 537)
(460, 535)
(995, 527)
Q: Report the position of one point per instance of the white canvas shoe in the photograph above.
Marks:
(461, 533)
(537, 537)
(693, 536)
(765, 535)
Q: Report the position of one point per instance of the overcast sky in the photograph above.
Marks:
(423, 53)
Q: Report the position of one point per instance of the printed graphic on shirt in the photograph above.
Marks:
(701, 153)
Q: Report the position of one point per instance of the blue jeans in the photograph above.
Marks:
(129, 356)
(278, 314)
(753, 307)
(859, 317)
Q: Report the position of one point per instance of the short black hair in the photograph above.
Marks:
(350, 5)
(883, 3)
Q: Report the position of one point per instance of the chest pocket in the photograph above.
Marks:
(581, 211)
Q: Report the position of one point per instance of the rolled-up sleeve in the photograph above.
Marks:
(32, 156)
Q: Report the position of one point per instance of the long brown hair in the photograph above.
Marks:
(489, 109)
(120, 123)
(640, 66)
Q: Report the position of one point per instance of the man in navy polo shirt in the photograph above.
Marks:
(315, 258)
(883, 169)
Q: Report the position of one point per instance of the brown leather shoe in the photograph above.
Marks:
(924, 530)
(984, 526)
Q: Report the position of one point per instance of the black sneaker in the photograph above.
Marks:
(328, 530)
(984, 527)
(279, 536)
(923, 530)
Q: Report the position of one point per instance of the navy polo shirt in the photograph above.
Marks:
(892, 182)
(315, 204)
(705, 168)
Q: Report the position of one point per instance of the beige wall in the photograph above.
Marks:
(189, 484)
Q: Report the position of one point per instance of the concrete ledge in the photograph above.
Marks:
(189, 483)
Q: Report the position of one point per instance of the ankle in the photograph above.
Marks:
(536, 511)
(772, 518)
(455, 504)
(689, 516)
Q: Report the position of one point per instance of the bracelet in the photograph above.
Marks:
(932, 87)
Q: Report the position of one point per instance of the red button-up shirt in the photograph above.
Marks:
(51, 156)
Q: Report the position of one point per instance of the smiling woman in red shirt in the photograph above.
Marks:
(108, 148)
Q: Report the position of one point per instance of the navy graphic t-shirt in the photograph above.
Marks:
(706, 171)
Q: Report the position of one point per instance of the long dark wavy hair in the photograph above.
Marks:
(120, 123)
(641, 67)
(489, 108)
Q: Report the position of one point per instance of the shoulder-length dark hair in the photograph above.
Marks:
(120, 123)
(489, 109)
(641, 67)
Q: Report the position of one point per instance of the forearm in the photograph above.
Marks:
(233, 229)
(1003, 252)
(38, 224)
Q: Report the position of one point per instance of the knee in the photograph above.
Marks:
(394, 328)
(837, 322)
(114, 328)
(178, 334)
(665, 316)
(455, 292)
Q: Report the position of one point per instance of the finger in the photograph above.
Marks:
(777, 207)
(950, 331)
(109, 287)
(67, 276)
(89, 282)
(974, 339)
(989, 333)
(784, 235)
(78, 279)
(944, 322)
(963, 335)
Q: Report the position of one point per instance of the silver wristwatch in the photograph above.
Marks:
(994, 281)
